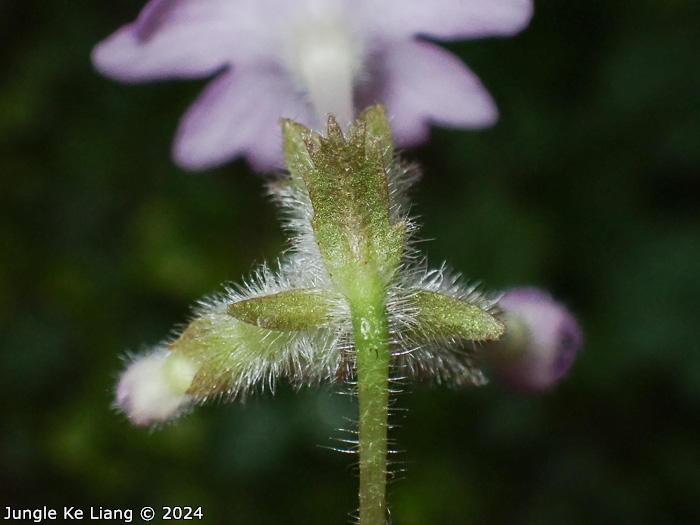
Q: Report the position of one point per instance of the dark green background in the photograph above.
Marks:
(589, 186)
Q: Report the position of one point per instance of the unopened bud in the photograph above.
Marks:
(153, 388)
(541, 340)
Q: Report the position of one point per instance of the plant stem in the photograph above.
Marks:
(371, 335)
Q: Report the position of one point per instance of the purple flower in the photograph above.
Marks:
(304, 59)
(541, 341)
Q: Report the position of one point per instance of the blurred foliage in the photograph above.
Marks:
(588, 186)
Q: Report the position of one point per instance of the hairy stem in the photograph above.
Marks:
(372, 346)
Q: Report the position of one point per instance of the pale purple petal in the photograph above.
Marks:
(419, 83)
(170, 39)
(422, 84)
(450, 19)
(153, 15)
(239, 114)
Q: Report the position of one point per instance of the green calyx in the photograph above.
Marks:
(341, 302)
(346, 178)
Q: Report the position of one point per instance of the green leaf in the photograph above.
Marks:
(439, 316)
(234, 357)
(293, 310)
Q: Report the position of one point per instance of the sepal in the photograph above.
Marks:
(346, 177)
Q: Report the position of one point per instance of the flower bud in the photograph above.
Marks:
(541, 340)
(153, 388)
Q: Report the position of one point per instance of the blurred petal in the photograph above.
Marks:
(171, 38)
(123, 56)
(239, 114)
(153, 15)
(419, 83)
(425, 84)
(451, 19)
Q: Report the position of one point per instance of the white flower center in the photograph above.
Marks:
(325, 60)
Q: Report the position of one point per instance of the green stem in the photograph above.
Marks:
(371, 335)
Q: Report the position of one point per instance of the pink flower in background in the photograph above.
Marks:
(304, 59)
(541, 342)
